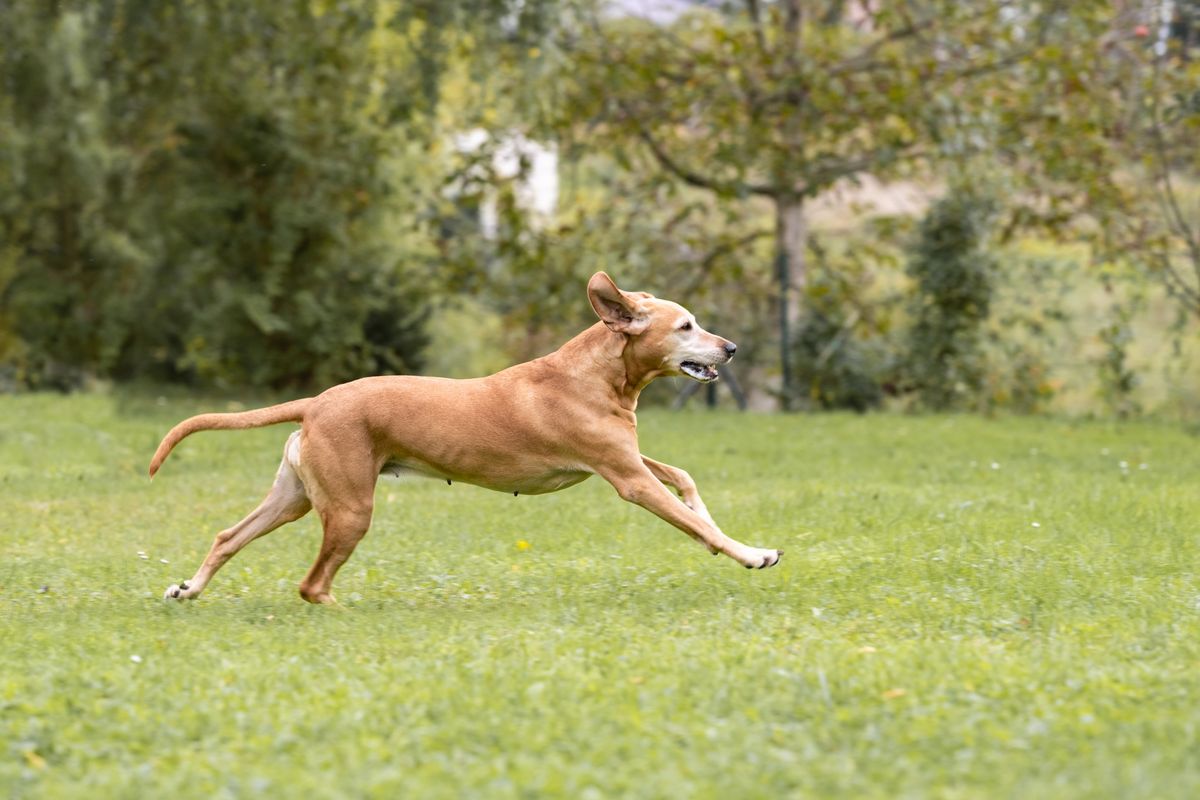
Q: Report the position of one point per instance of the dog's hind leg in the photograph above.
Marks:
(287, 501)
(342, 489)
(344, 528)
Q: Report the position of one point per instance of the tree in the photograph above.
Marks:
(783, 100)
(222, 192)
(67, 200)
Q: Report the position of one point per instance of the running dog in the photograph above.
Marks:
(533, 428)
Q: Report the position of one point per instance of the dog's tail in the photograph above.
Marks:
(284, 412)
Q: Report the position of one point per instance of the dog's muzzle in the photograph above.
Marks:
(707, 373)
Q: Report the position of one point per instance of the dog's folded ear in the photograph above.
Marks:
(616, 309)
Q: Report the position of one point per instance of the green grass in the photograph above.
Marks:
(921, 638)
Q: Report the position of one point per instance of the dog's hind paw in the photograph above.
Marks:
(180, 591)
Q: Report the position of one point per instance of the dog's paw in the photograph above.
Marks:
(180, 591)
(760, 558)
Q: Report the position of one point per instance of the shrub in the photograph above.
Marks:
(951, 301)
(834, 370)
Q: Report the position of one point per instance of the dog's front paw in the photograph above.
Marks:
(760, 558)
(180, 591)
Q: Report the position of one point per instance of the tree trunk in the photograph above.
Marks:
(791, 233)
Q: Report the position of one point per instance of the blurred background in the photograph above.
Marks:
(921, 204)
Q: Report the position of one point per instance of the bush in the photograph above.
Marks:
(1118, 382)
(833, 369)
(843, 352)
(951, 301)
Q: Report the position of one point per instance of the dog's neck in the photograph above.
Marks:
(605, 356)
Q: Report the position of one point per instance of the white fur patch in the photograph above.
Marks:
(292, 450)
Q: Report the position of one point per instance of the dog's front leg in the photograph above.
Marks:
(637, 483)
(679, 480)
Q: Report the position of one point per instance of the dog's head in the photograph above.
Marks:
(663, 336)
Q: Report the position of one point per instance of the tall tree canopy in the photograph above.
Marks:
(782, 100)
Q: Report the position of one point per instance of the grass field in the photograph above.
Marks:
(967, 608)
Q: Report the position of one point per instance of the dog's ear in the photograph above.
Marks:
(616, 309)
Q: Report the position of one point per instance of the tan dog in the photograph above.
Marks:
(537, 427)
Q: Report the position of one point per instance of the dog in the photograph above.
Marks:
(533, 428)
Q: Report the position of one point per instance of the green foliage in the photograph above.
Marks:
(967, 608)
(953, 275)
(1118, 381)
(209, 192)
(1017, 379)
(844, 349)
(1028, 332)
(783, 101)
(267, 194)
(65, 195)
(778, 100)
(833, 369)
(1165, 208)
(289, 187)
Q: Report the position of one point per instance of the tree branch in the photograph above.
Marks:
(665, 160)
(1176, 284)
(1170, 202)
(718, 252)
(864, 59)
(687, 175)
(1176, 220)
(818, 177)
(760, 38)
(793, 23)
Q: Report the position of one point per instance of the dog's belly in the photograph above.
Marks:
(539, 479)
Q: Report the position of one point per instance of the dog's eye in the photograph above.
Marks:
(687, 326)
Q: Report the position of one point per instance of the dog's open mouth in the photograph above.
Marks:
(705, 373)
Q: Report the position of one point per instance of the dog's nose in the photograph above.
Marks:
(730, 348)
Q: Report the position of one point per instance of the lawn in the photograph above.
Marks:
(967, 608)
